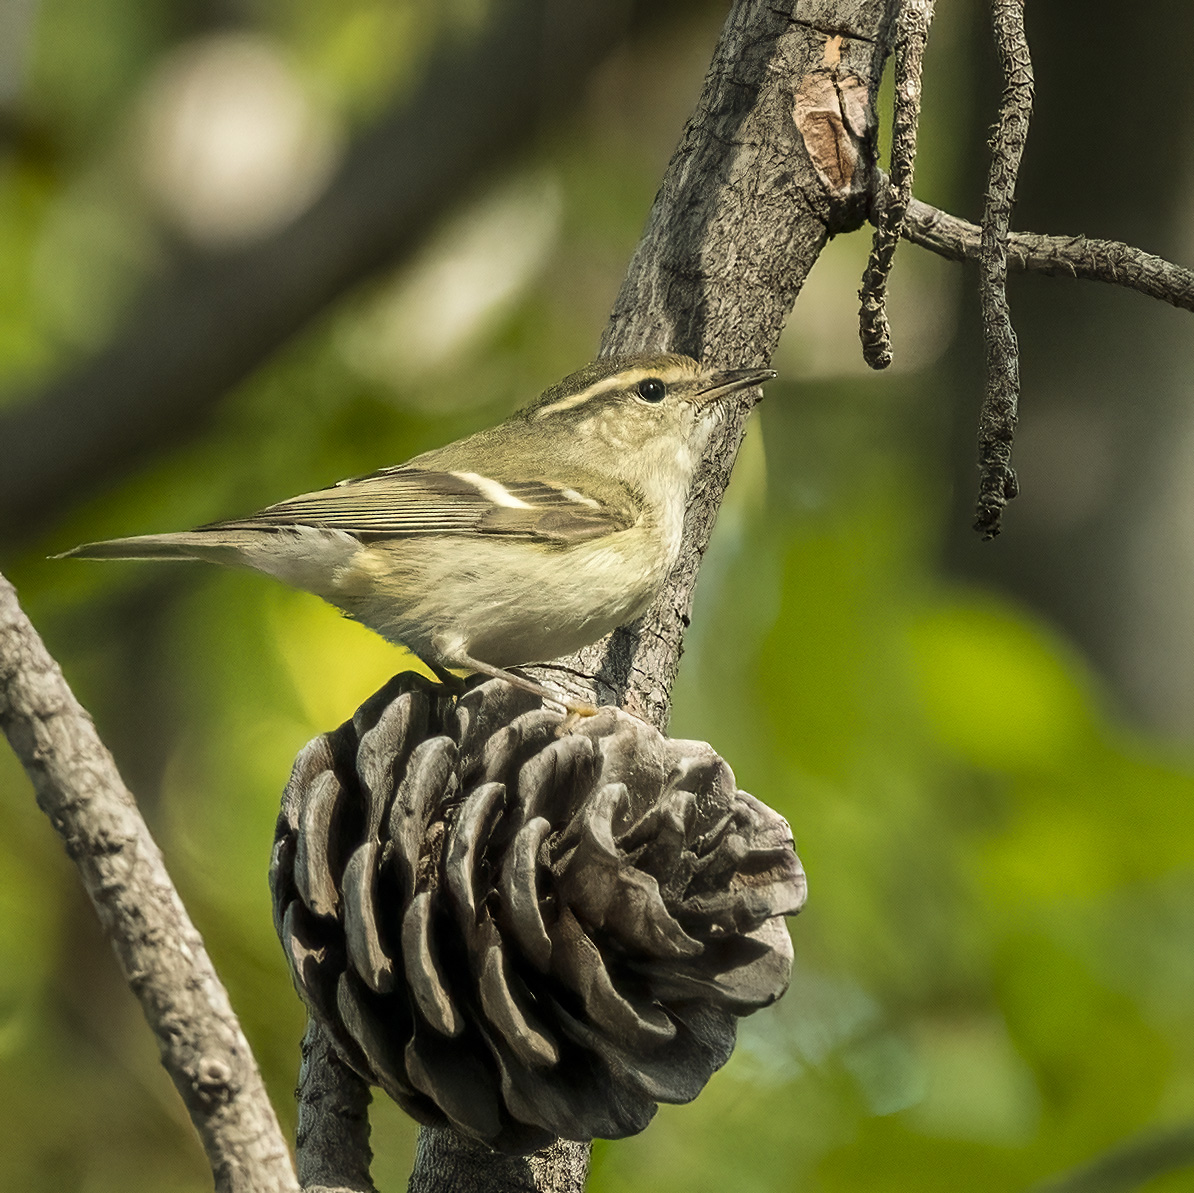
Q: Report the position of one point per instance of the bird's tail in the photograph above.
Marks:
(192, 544)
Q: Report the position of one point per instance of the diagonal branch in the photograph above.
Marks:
(997, 419)
(1130, 1166)
(1107, 261)
(912, 36)
(738, 223)
(161, 953)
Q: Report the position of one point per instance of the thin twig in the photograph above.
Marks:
(997, 420)
(161, 953)
(1108, 261)
(1129, 1166)
(912, 35)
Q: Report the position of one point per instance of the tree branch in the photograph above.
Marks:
(159, 950)
(1065, 256)
(332, 1146)
(997, 419)
(1128, 1167)
(743, 213)
(912, 35)
(448, 1163)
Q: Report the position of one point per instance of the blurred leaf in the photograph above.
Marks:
(997, 691)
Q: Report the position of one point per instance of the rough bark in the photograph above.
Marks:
(159, 950)
(912, 36)
(448, 1163)
(777, 156)
(332, 1148)
(997, 483)
(1100, 544)
(1084, 257)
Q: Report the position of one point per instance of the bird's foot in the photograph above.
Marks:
(576, 709)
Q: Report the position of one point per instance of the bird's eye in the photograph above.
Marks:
(651, 390)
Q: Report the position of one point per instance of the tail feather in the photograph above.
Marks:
(306, 557)
(191, 544)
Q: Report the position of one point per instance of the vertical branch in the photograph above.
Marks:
(912, 35)
(447, 1162)
(997, 421)
(159, 950)
(332, 1145)
(740, 218)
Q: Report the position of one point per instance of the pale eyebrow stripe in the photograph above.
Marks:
(626, 378)
(493, 490)
(598, 387)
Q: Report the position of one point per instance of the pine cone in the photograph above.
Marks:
(522, 932)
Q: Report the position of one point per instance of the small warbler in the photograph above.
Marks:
(516, 545)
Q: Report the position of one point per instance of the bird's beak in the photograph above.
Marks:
(731, 381)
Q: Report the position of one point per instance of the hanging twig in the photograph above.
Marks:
(997, 421)
(1108, 261)
(912, 35)
(161, 953)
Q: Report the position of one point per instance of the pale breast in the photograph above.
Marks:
(505, 602)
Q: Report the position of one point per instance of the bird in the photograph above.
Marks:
(518, 544)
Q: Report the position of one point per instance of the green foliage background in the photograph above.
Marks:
(994, 977)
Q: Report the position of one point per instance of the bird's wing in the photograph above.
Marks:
(412, 501)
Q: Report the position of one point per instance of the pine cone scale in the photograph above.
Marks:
(424, 974)
(520, 893)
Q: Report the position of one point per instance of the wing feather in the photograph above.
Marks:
(404, 502)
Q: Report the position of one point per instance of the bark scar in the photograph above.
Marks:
(832, 114)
